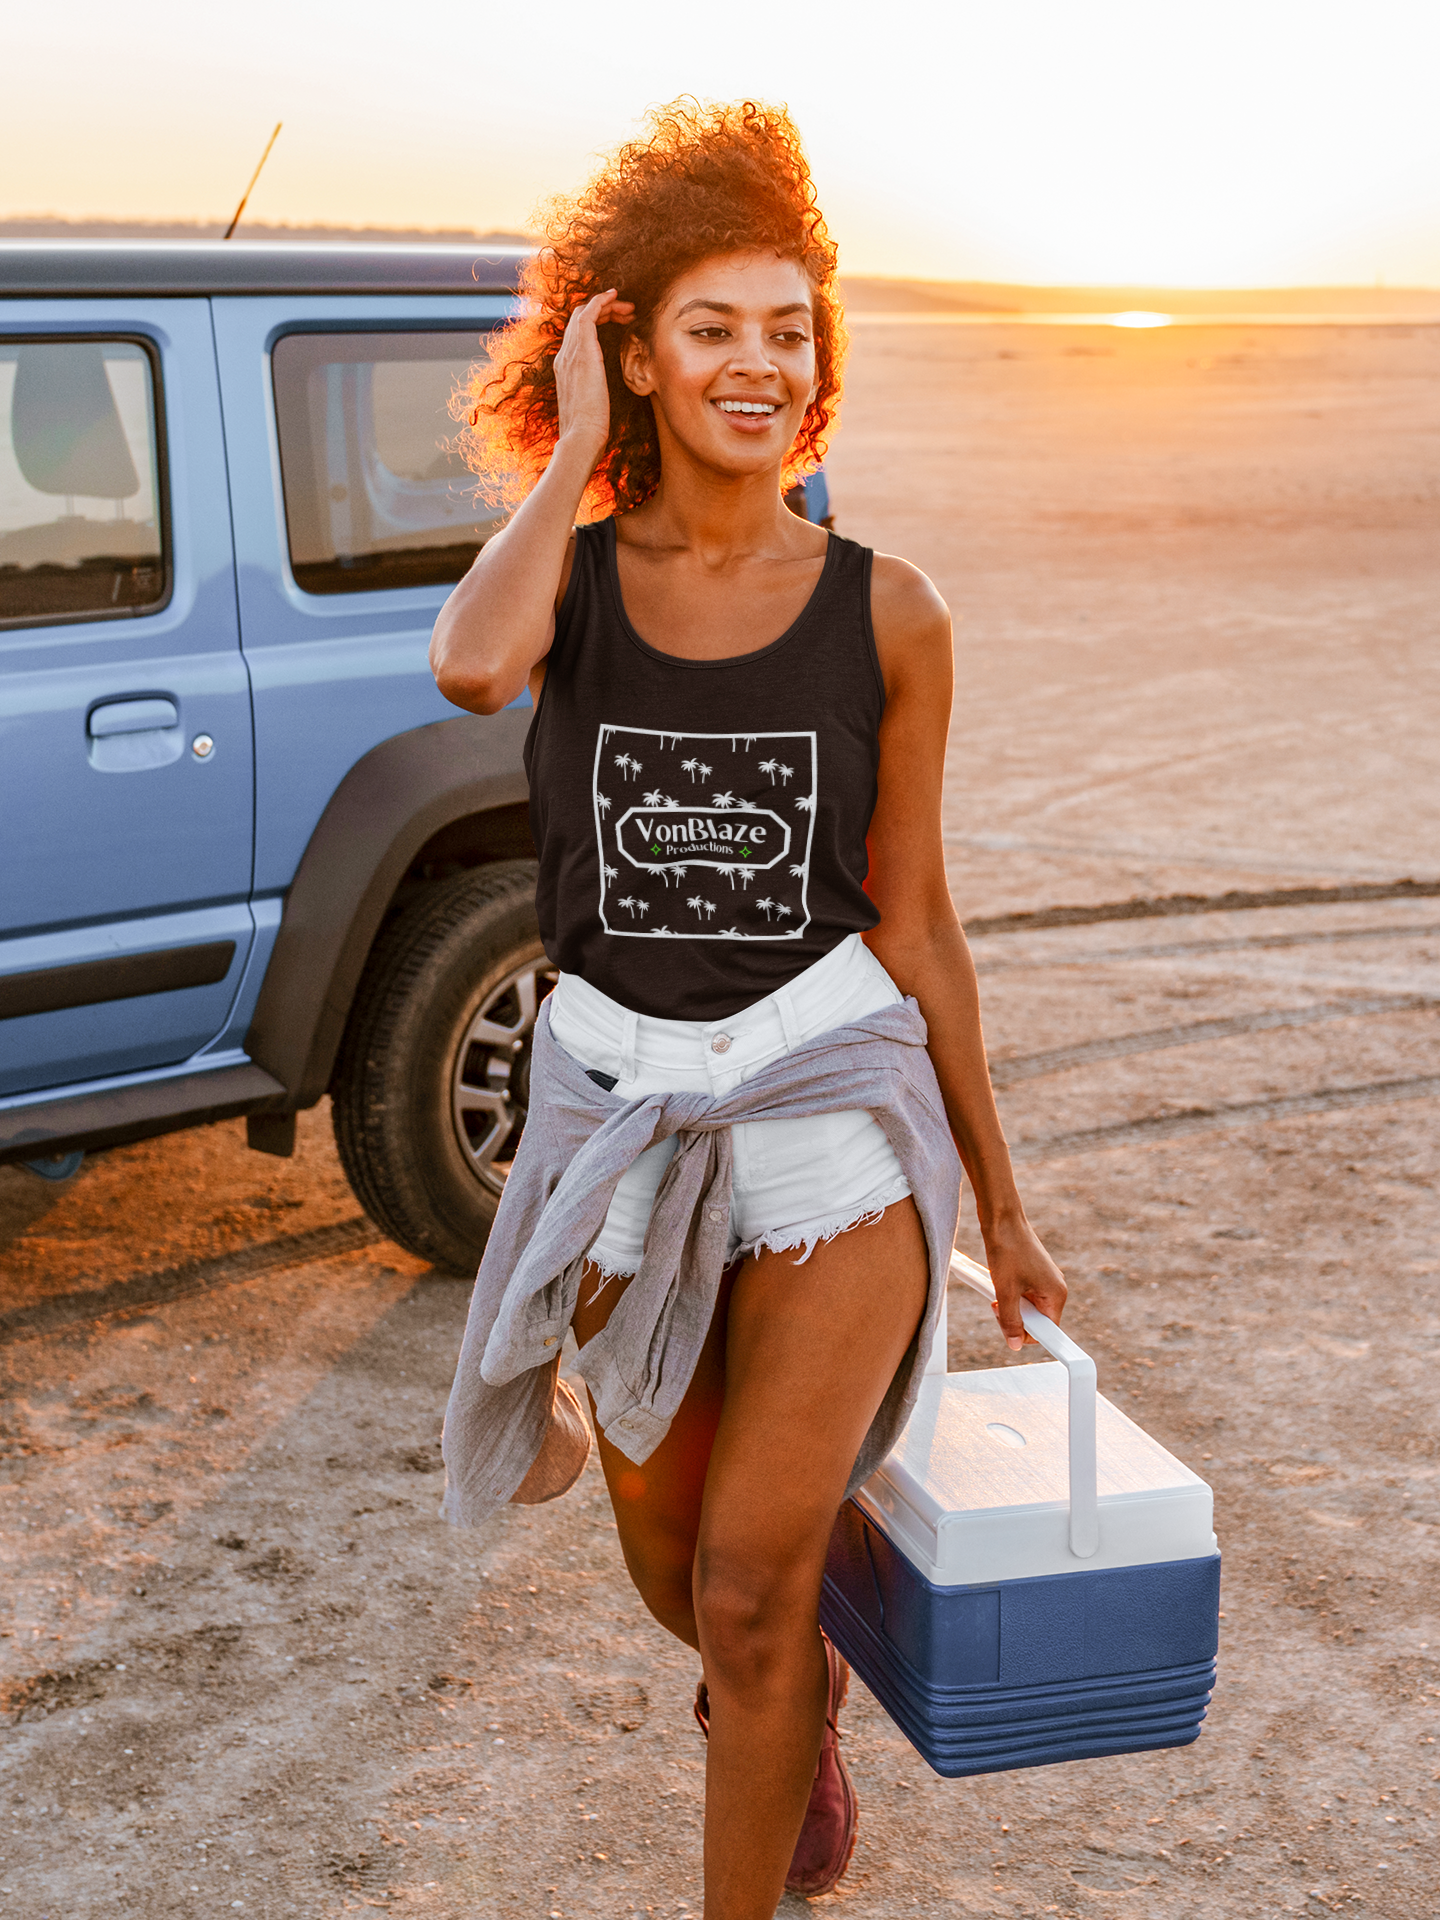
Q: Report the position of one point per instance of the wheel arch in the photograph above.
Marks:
(420, 805)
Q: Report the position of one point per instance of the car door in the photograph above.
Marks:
(353, 518)
(126, 752)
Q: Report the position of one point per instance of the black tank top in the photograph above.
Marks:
(701, 823)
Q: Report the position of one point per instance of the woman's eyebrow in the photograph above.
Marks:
(725, 306)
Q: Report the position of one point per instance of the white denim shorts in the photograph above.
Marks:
(796, 1182)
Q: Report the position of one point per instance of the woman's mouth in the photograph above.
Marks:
(748, 416)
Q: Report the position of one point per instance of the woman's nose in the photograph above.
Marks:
(751, 355)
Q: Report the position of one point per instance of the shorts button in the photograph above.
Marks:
(550, 1343)
(721, 1043)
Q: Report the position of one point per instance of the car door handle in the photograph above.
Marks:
(129, 736)
(131, 716)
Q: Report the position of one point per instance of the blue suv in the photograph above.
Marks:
(248, 854)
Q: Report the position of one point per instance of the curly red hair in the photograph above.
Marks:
(702, 180)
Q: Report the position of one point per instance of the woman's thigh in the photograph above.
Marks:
(752, 1471)
(810, 1352)
(657, 1502)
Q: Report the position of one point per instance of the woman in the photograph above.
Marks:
(735, 712)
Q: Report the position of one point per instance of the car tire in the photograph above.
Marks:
(431, 1086)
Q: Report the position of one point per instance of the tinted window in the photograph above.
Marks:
(80, 523)
(374, 495)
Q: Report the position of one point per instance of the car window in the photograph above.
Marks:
(81, 531)
(375, 495)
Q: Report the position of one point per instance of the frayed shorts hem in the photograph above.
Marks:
(813, 1233)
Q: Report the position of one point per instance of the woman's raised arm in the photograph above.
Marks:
(499, 622)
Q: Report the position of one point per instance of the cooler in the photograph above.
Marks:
(1028, 1577)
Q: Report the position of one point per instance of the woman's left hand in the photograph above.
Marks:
(1022, 1270)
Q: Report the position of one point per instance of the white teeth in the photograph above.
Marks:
(746, 406)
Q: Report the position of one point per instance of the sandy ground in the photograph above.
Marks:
(245, 1668)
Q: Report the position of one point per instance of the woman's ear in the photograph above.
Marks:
(635, 368)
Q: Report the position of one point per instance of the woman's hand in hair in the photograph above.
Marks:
(581, 392)
(495, 630)
(498, 624)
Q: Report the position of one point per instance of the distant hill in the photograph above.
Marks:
(44, 226)
(863, 294)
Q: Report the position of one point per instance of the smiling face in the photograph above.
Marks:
(730, 362)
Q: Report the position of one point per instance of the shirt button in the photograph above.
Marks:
(721, 1043)
(716, 1213)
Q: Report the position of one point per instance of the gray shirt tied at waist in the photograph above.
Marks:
(507, 1409)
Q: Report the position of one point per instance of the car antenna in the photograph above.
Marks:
(253, 178)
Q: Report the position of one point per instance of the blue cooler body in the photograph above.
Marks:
(999, 1621)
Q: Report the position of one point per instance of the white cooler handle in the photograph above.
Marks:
(1084, 1507)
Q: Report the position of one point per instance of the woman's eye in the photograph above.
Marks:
(792, 337)
(708, 333)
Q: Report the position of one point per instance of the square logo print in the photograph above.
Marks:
(704, 836)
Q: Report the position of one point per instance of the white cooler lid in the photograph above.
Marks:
(978, 1487)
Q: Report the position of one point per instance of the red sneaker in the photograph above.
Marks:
(827, 1838)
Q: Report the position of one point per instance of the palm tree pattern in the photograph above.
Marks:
(733, 774)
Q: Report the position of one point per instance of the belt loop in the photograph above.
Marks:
(627, 1045)
(789, 1024)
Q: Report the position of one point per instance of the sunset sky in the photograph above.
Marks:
(1230, 143)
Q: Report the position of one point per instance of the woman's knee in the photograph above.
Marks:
(666, 1593)
(750, 1616)
(659, 1552)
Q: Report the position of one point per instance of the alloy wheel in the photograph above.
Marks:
(490, 1077)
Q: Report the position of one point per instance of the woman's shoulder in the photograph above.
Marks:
(910, 618)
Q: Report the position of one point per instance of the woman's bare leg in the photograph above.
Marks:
(657, 1504)
(725, 1527)
(810, 1352)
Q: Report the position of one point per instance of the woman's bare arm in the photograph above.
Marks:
(919, 940)
(499, 622)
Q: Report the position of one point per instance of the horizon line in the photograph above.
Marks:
(21, 226)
